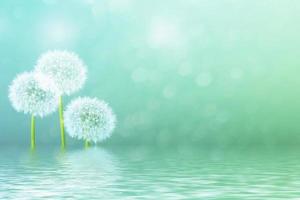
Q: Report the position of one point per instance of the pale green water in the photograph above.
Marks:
(149, 173)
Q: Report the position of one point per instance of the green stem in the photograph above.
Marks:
(61, 121)
(32, 133)
(87, 144)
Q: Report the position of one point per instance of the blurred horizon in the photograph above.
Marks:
(186, 72)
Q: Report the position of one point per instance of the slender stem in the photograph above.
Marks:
(61, 121)
(32, 133)
(87, 144)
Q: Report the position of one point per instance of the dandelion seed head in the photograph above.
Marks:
(65, 68)
(89, 119)
(46, 82)
(26, 95)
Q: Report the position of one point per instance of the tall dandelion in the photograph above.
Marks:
(26, 95)
(68, 73)
(89, 119)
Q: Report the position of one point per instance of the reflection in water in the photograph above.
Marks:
(78, 173)
(86, 171)
(149, 173)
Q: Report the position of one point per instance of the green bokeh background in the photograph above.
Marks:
(202, 72)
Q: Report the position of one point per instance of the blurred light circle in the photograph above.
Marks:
(204, 79)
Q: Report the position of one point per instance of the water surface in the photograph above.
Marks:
(149, 173)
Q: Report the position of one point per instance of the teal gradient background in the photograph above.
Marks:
(201, 72)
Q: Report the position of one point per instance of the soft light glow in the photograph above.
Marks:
(169, 91)
(164, 33)
(120, 5)
(55, 32)
(204, 79)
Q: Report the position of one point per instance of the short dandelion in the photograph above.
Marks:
(89, 119)
(68, 73)
(26, 95)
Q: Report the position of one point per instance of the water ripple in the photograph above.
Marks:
(138, 174)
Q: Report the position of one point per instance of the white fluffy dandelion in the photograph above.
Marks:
(68, 74)
(89, 119)
(65, 68)
(26, 95)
